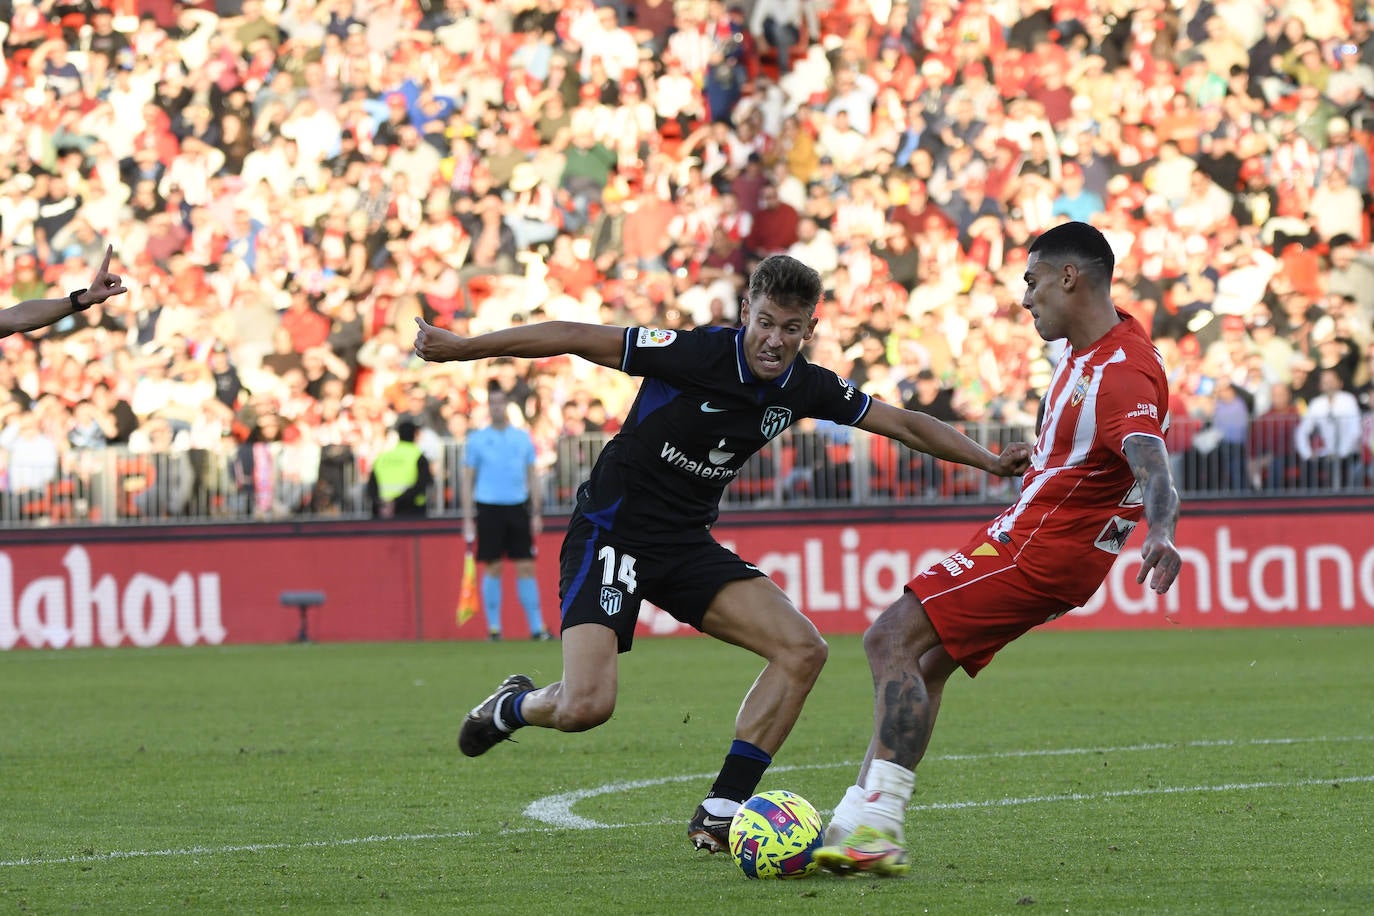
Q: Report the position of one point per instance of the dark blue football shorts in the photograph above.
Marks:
(603, 579)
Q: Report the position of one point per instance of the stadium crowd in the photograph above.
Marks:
(287, 183)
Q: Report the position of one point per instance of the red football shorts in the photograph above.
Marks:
(979, 600)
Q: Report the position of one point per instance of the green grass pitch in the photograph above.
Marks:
(1172, 771)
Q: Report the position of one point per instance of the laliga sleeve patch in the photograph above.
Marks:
(655, 337)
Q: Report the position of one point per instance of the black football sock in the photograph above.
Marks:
(739, 776)
(508, 717)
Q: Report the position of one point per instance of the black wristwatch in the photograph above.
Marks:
(75, 296)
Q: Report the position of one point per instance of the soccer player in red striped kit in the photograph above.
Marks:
(1098, 466)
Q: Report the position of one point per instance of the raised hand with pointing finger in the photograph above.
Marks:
(104, 285)
(33, 314)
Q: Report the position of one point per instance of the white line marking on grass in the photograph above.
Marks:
(1137, 793)
(556, 810)
(1158, 746)
(461, 834)
(117, 855)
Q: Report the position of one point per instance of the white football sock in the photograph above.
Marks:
(846, 816)
(889, 788)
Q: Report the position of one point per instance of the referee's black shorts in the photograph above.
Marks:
(503, 532)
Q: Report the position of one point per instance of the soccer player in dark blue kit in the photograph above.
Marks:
(641, 530)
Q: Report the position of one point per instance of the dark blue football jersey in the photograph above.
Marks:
(699, 415)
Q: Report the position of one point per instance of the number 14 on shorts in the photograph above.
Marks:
(612, 573)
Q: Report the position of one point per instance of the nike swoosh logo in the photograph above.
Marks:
(707, 408)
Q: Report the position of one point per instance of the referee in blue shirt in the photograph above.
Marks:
(501, 503)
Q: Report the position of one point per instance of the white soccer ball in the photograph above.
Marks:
(775, 834)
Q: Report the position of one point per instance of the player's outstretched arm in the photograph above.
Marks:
(32, 314)
(1149, 461)
(601, 344)
(924, 433)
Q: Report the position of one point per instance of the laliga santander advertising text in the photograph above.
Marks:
(180, 586)
(1276, 570)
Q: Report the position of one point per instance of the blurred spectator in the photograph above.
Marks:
(607, 232)
(1273, 433)
(401, 479)
(115, 415)
(897, 253)
(1226, 467)
(1328, 436)
(1074, 201)
(253, 469)
(1207, 207)
(164, 490)
(780, 22)
(775, 225)
(929, 396)
(31, 457)
(1345, 154)
(1352, 274)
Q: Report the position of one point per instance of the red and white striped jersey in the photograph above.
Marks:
(1079, 501)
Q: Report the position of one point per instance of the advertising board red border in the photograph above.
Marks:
(1245, 565)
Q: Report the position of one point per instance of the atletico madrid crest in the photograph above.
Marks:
(775, 420)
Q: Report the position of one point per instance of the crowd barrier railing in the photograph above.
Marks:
(822, 466)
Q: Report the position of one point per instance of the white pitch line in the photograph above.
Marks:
(1137, 793)
(539, 810)
(421, 837)
(241, 847)
(556, 810)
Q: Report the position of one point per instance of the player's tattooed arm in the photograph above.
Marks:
(1149, 461)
